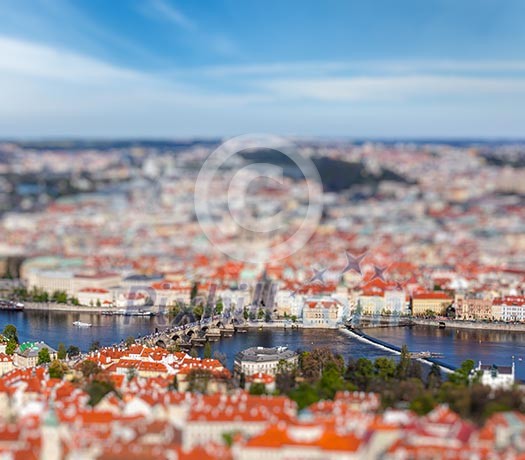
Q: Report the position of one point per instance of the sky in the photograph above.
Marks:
(179, 69)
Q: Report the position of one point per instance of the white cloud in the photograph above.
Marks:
(391, 89)
(40, 61)
(46, 90)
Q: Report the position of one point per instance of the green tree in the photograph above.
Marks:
(260, 313)
(415, 371)
(97, 389)
(89, 368)
(304, 395)
(99, 304)
(175, 309)
(363, 374)
(331, 382)
(130, 340)
(207, 350)
(245, 313)
(57, 369)
(463, 375)
(193, 352)
(312, 363)
(10, 348)
(43, 356)
(257, 388)
(61, 352)
(59, 297)
(285, 376)
(198, 310)
(423, 404)
(403, 364)
(219, 306)
(385, 368)
(10, 333)
(73, 351)
(434, 378)
(95, 346)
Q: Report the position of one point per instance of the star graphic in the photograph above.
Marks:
(318, 275)
(353, 263)
(379, 272)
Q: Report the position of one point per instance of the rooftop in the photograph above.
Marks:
(262, 354)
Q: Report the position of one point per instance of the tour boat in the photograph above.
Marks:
(81, 324)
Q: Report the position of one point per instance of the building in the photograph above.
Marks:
(26, 354)
(265, 379)
(95, 297)
(6, 363)
(70, 282)
(436, 302)
(382, 302)
(322, 312)
(473, 307)
(288, 305)
(496, 377)
(509, 308)
(263, 360)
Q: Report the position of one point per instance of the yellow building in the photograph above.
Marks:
(435, 302)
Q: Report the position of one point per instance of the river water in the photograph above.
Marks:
(456, 345)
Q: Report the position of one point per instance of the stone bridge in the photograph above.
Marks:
(193, 334)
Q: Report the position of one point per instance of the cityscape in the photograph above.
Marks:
(213, 247)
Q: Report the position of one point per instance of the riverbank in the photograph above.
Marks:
(68, 308)
(62, 307)
(456, 324)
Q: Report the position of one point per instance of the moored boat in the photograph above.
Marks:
(81, 324)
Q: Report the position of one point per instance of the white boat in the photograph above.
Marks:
(81, 324)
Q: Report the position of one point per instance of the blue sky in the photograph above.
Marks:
(167, 68)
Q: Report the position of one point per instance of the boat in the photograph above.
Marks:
(81, 324)
(11, 306)
(138, 313)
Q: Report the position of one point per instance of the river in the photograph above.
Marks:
(457, 345)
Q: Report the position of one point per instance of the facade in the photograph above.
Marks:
(70, 282)
(263, 360)
(288, 305)
(95, 297)
(265, 379)
(435, 302)
(6, 363)
(496, 377)
(390, 302)
(27, 354)
(509, 308)
(474, 307)
(322, 312)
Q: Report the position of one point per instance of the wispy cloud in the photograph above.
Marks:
(392, 89)
(370, 67)
(52, 90)
(168, 12)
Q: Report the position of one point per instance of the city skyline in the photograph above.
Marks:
(166, 69)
